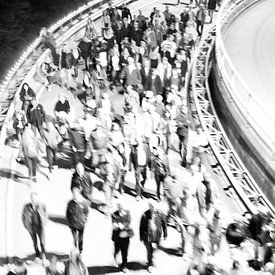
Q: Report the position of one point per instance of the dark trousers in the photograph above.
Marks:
(51, 156)
(141, 171)
(78, 237)
(38, 234)
(159, 180)
(122, 244)
(200, 26)
(32, 165)
(150, 251)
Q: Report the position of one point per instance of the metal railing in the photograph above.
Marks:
(253, 113)
(248, 192)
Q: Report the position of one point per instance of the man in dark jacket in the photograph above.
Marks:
(82, 181)
(36, 116)
(152, 225)
(34, 217)
(125, 12)
(77, 214)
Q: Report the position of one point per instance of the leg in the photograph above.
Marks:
(80, 239)
(144, 175)
(117, 247)
(150, 250)
(34, 240)
(34, 166)
(124, 251)
(41, 236)
(50, 154)
(29, 165)
(138, 185)
(75, 236)
(157, 178)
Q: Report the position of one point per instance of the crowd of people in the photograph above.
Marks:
(130, 77)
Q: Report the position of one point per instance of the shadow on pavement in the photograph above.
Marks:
(170, 251)
(16, 175)
(58, 219)
(97, 270)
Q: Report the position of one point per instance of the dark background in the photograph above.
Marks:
(21, 21)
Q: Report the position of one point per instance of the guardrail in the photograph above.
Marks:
(247, 190)
(255, 115)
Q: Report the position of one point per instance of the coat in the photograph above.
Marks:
(77, 214)
(27, 214)
(160, 223)
(36, 116)
(30, 144)
(84, 184)
(124, 219)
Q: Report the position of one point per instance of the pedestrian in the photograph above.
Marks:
(160, 168)
(200, 19)
(26, 94)
(152, 227)
(34, 217)
(30, 148)
(36, 116)
(52, 139)
(212, 4)
(122, 232)
(75, 265)
(77, 215)
(82, 180)
(215, 228)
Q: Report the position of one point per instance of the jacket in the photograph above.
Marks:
(36, 116)
(160, 224)
(84, 184)
(27, 215)
(77, 214)
(124, 219)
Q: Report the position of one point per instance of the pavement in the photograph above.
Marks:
(98, 247)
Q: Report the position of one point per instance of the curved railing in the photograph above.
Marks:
(254, 114)
(247, 192)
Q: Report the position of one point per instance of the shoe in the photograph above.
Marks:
(19, 160)
(138, 198)
(150, 269)
(124, 270)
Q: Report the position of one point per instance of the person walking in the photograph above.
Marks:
(82, 180)
(77, 215)
(200, 19)
(34, 218)
(30, 148)
(122, 233)
(152, 226)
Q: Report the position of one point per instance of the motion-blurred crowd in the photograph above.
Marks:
(130, 76)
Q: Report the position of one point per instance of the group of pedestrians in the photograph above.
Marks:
(133, 91)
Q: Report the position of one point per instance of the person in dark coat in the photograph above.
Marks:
(26, 94)
(122, 233)
(36, 116)
(152, 226)
(77, 142)
(82, 181)
(125, 12)
(77, 215)
(34, 217)
(85, 51)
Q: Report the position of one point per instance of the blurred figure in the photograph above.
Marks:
(75, 265)
(200, 19)
(52, 268)
(63, 110)
(82, 181)
(30, 148)
(34, 217)
(122, 233)
(152, 227)
(18, 268)
(77, 215)
(26, 94)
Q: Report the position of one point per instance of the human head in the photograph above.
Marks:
(61, 98)
(34, 198)
(25, 86)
